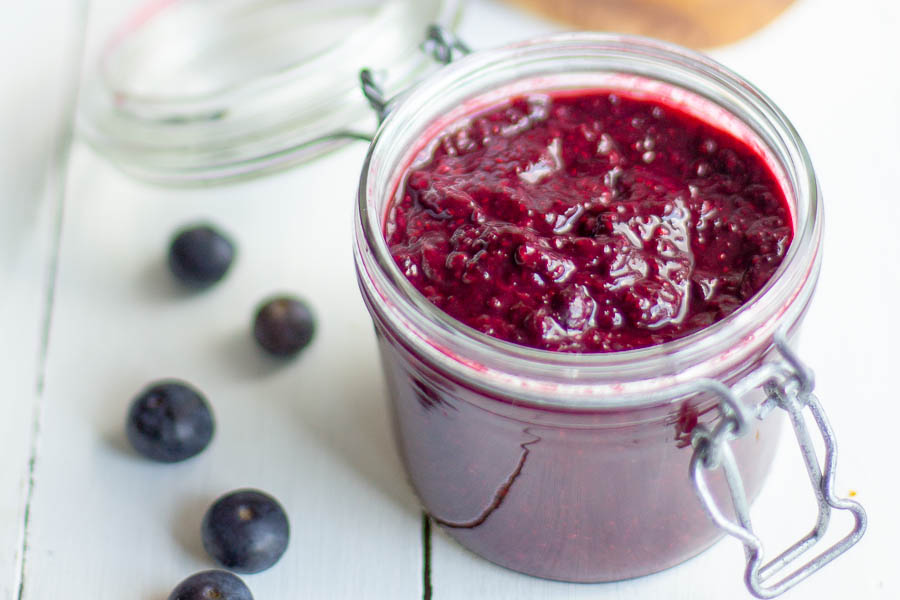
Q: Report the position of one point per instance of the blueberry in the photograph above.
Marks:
(246, 531)
(169, 421)
(199, 256)
(205, 585)
(284, 326)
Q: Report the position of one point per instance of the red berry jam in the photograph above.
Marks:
(588, 222)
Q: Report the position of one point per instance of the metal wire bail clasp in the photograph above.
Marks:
(788, 386)
(440, 44)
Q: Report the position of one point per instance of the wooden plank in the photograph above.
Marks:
(781, 515)
(38, 88)
(843, 97)
(712, 23)
(312, 432)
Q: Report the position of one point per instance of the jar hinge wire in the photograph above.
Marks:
(440, 44)
(788, 385)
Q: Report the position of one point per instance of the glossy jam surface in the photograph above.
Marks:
(588, 222)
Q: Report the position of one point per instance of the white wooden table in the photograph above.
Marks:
(88, 315)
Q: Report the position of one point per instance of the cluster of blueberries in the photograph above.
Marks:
(245, 531)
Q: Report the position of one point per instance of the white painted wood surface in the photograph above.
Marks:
(105, 524)
(833, 68)
(38, 59)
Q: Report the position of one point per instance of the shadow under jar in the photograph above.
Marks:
(576, 466)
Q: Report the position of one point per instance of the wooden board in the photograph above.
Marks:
(845, 102)
(695, 23)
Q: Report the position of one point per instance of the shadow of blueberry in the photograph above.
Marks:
(157, 284)
(186, 523)
(244, 360)
(157, 594)
(117, 441)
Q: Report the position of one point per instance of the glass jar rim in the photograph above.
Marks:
(596, 380)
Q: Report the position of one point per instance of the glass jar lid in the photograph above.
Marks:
(203, 90)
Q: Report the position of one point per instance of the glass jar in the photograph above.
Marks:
(209, 91)
(595, 467)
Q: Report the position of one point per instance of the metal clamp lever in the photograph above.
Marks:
(788, 386)
(440, 44)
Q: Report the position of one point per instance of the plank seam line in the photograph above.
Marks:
(57, 172)
(426, 557)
